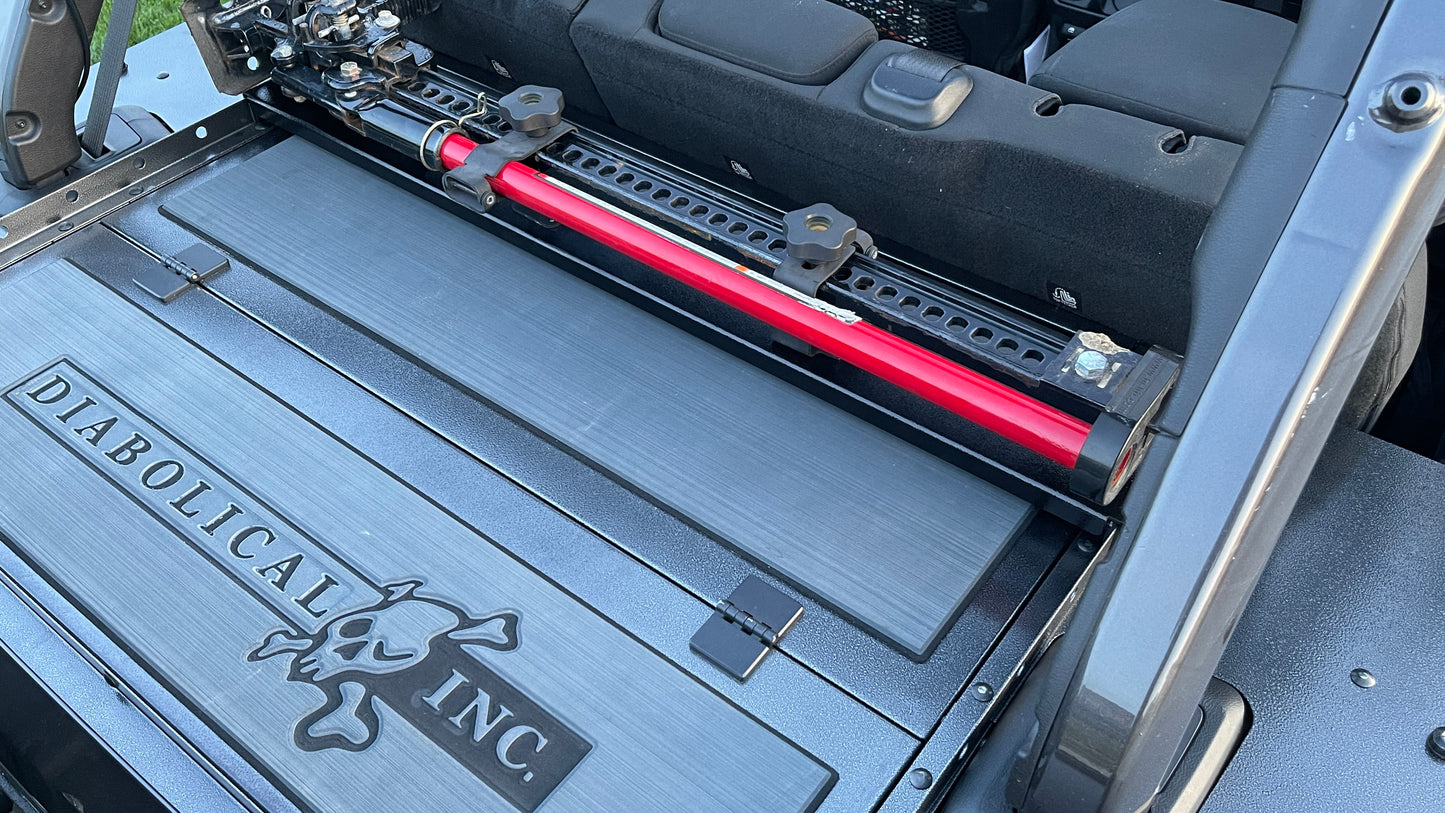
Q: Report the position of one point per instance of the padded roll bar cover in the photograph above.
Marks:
(1017, 198)
(527, 38)
(809, 42)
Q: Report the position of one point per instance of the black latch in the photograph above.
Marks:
(535, 114)
(746, 625)
(174, 275)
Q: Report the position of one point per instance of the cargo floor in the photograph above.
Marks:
(878, 528)
(285, 510)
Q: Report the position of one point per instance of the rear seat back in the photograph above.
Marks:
(522, 40)
(1093, 210)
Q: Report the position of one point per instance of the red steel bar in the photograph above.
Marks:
(977, 398)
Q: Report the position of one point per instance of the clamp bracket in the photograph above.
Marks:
(820, 240)
(535, 115)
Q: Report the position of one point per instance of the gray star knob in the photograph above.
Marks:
(532, 109)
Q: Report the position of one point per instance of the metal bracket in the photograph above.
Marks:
(1120, 437)
(746, 626)
(820, 240)
(535, 114)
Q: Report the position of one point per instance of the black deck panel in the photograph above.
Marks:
(1356, 581)
(875, 526)
(328, 619)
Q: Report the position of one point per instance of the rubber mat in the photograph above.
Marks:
(361, 645)
(885, 532)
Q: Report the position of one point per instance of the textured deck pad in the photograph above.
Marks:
(359, 643)
(885, 532)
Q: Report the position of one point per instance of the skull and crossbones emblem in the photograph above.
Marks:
(353, 651)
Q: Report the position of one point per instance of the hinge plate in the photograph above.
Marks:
(746, 626)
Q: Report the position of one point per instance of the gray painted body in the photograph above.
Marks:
(194, 625)
(876, 527)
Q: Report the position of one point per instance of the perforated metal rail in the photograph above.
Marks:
(946, 317)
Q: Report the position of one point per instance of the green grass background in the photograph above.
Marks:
(151, 17)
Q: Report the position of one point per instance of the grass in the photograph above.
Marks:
(151, 18)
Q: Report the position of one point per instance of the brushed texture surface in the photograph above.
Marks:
(878, 528)
(659, 740)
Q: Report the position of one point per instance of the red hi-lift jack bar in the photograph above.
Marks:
(1102, 455)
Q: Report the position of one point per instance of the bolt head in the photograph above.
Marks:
(1409, 101)
(1435, 743)
(283, 52)
(350, 71)
(920, 778)
(1362, 678)
(982, 692)
(1091, 365)
(387, 20)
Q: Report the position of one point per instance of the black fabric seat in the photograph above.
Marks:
(526, 41)
(1010, 187)
(809, 42)
(1204, 66)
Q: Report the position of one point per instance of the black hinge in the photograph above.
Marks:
(173, 276)
(746, 626)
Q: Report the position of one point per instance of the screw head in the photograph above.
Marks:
(920, 778)
(1435, 743)
(1090, 365)
(283, 52)
(350, 71)
(982, 692)
(1362, 678)
(387, 20)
